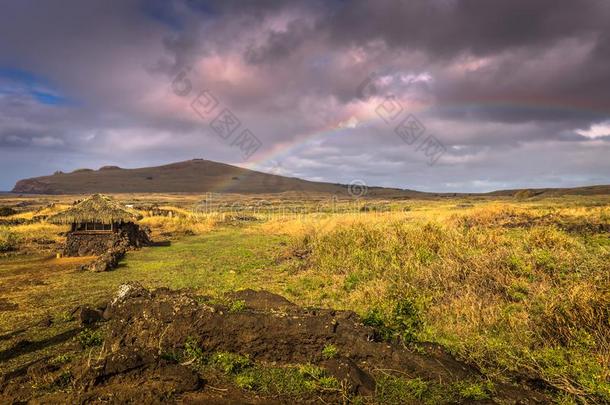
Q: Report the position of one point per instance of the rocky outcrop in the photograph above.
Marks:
(34, 186)
(108, 261)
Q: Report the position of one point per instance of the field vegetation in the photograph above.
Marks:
(517, 287)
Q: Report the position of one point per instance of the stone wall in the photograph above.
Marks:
(89, 244)
(136, 236)
(96, 244)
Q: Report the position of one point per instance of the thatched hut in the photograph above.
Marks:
(99, 223)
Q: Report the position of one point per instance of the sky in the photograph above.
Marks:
(432, 95)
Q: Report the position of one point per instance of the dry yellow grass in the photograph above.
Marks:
(29, 237)
(191, 224)
(508, 287)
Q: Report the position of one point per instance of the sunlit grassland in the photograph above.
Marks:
(220, 261)
(512, 289)
(516, 288)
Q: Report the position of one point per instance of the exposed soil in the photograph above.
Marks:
(142, 325)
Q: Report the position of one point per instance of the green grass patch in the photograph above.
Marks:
(330, 351)
(90, 338)
(404, 321)
(237, 306)
(291, 381)
(392, 390)
(192, 351)
(474, 390)
(61, 359)
(230, 363)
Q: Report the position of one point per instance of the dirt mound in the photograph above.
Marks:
(163, 320)
(145, 329)
(261, 300)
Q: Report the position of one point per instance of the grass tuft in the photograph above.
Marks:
(330, 351)
(90, 338)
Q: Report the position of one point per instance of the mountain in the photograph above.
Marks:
(553, 192)
(192, 176)
(201, 176)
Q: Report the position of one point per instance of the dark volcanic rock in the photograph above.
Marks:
(346, 370)
(165, 319)
(88, 315)
(108, 261)
(95, 244)
(133, 365)
(262, 300)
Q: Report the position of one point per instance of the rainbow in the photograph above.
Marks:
(302, 140)
(368, 115)
(281, 150)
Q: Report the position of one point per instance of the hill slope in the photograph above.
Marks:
(191, 176)
(553, 192)
(201, 176)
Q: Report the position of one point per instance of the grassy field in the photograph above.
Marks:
(518, 288)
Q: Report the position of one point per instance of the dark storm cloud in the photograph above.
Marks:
(446, 28)
(513, 34)
(499, 82)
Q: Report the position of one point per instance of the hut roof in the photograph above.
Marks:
(97, 208)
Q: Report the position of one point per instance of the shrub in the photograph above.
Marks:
(7, 211)
(374, 319)
(8, 240)
(404, 321)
